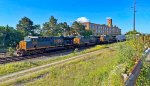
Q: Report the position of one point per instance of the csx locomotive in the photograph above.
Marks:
(34, 44)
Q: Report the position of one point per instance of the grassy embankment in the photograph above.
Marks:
(102, 69)
(92, 70)
(18, 66)
(144, 77)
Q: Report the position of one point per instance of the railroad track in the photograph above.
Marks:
(17, 58)
(36, 69)
(20, 58)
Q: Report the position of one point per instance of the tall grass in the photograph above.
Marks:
(18, 66)
(131, 51)
(103, 69)
(144, 77)
(91, 70)
(99, 70)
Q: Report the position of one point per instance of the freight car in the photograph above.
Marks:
(33, 45)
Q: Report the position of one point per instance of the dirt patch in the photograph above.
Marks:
(32, 80)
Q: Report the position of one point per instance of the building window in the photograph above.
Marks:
(91, 26)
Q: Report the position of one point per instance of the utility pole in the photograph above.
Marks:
(134, 14)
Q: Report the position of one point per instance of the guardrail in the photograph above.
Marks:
(134, 74)
(147, 51)
(130, 81)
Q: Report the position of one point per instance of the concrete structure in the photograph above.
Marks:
(131, 80)
(102, 29)
(148, 55)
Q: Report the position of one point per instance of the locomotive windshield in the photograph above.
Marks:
(27, 39)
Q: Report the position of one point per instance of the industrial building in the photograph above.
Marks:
(103, 29)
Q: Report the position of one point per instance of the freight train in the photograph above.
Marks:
(34, 44)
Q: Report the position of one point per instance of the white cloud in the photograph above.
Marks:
(108, 18)
(82, 19)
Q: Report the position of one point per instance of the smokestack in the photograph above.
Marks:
(109, 21)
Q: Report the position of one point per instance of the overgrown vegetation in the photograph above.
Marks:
(132, 32)
(17, 66)
(144, 77)
(134, 48)
(130, 52)
(10, 51)
(9, 37)
(91, 70)
(103, 69)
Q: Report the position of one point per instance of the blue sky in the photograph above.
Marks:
(39, 11)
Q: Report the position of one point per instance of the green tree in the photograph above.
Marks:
(51, 28)
(87, 32)
(78, 26)
(66, 30)
(37, 30)
(53, 21)
(9, 36)
(132, 32)
(2, 35)
(80, 29)
(26, 26)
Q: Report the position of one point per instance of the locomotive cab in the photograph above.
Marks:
(28, 43)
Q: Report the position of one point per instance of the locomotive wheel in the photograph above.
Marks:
(20, 53)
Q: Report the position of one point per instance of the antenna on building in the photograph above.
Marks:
(134, 14)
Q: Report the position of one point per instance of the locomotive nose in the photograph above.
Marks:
(22, 45)
(76, 41)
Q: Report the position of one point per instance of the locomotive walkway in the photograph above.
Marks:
(25, 72)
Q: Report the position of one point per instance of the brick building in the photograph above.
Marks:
(102, 29)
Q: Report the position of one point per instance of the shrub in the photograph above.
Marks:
(11, 51)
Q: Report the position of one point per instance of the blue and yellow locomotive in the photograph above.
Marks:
(36, 44)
